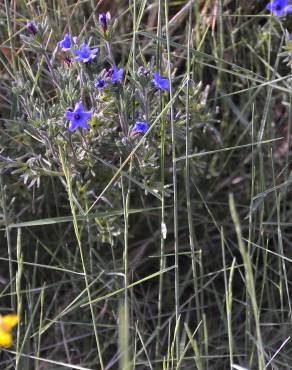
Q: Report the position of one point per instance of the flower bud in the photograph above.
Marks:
(103, 21)
(31, 27)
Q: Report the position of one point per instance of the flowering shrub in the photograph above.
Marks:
(96, 113)
(123, 138)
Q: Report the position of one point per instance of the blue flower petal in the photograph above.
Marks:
(156, 76)
(83, 124)
(74, 124)
(77, 53)
(79, 107)
(70, 115)
(85, 54)
(117, 75)
(86, 115)
(65, 44)
(159, 82)
(140, 128)
(164, 83)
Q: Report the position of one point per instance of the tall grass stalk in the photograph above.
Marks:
(174, 179)
(163, 234)
(189, 143)
(18, 293)
(228, 298)
(8, 238)
(250, 283)
(78, 238)
(126, 191)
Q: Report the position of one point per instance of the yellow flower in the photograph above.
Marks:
(7, 323)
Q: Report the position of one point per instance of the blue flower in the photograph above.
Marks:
(160, 83)
(65, 44)
(116, 75)
(101, 84)
(279, 7)
(31, 27)
(78, 118)
(85, 54)
(140, 128)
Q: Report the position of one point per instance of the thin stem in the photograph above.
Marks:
(10, 35)
(126, 204)
(8, 239)
(163, 233)
(192, 236)
(174, 178)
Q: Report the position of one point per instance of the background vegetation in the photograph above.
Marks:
(165, 251)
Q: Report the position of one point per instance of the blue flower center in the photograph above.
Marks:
(278, 7)
(77, 116)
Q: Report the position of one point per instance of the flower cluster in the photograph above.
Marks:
(79, 118)
(83, 53)
(113, 75)
(110, 77)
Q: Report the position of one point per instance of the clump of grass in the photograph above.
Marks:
(149, 229)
